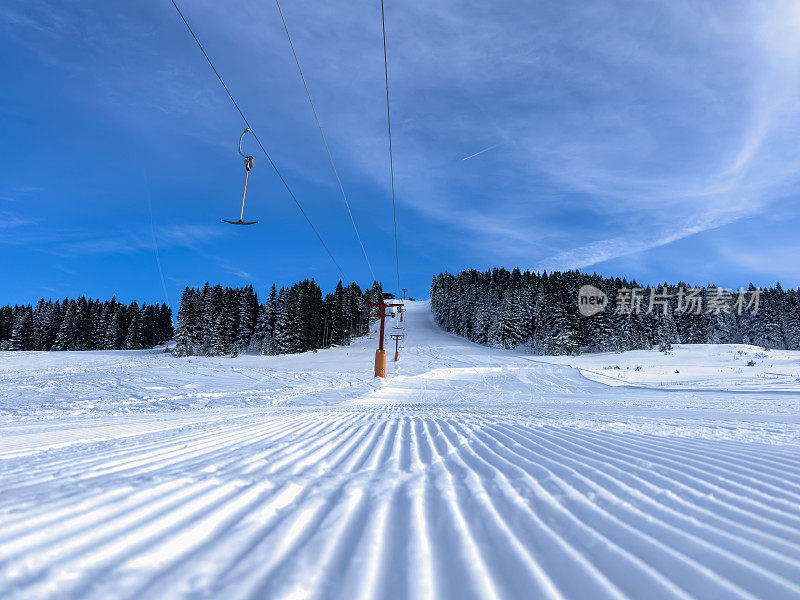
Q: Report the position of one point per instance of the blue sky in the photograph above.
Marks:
(656, 140)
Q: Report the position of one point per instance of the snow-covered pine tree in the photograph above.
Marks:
(100, 334)
(133, 337)
(510, 331)
(564, 323)
(6, 326)
(338, 325)
(168, 327)
(353, 306)
(597, 330)
(40, 316)
(723, 327)
(666, 332)
(771, 319)
(268, 321)
(248, 309)
(286, 338)
(65, 338)
(230, 323)
(310, 313)
(259, 343)
(482, 319)
(82, 336)
(791, 320)
(22, 335)
(117, 329)
(145, 326)
(691, 321)
(54, 323)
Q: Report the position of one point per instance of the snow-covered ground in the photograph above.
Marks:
(721, 367)
(468, 473)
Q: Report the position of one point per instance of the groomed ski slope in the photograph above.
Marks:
(468, 473)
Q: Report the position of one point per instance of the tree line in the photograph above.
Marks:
(81, 324)
(221, 321)
(506, 309)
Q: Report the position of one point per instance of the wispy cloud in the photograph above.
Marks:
(10, 220)
(492, 147)
(76, 242)
(607, 249)
(664, 120)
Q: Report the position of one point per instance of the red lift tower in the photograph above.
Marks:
(380, 353)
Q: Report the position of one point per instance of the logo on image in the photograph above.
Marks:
(591, 300)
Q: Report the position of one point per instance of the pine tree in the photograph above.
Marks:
(100, 336)
(563, 324)
(133, 339)
(285, 328)
(770, 319)
(304, 316)
(22, 335)
(338, 326)
(6, 325)
(82, 336)
(65, 339)
(247, 313)
(722, 323)
(229, 326)
(188, 315)
(268, 319)
(597, 331)
(40, 315)
(213, 320)
(167, 329)
(117, 329)
(791, 320)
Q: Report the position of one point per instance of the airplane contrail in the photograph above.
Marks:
(481, 152)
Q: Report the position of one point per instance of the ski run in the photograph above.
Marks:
(469, 472)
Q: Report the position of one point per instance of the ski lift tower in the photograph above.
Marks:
(380, 353)
(402, 310)
(397, 337)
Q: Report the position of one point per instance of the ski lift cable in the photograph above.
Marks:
(391, 158)
(247, 123)
(324, 139)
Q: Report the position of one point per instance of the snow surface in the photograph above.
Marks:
(702, 366)
(469, 472)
